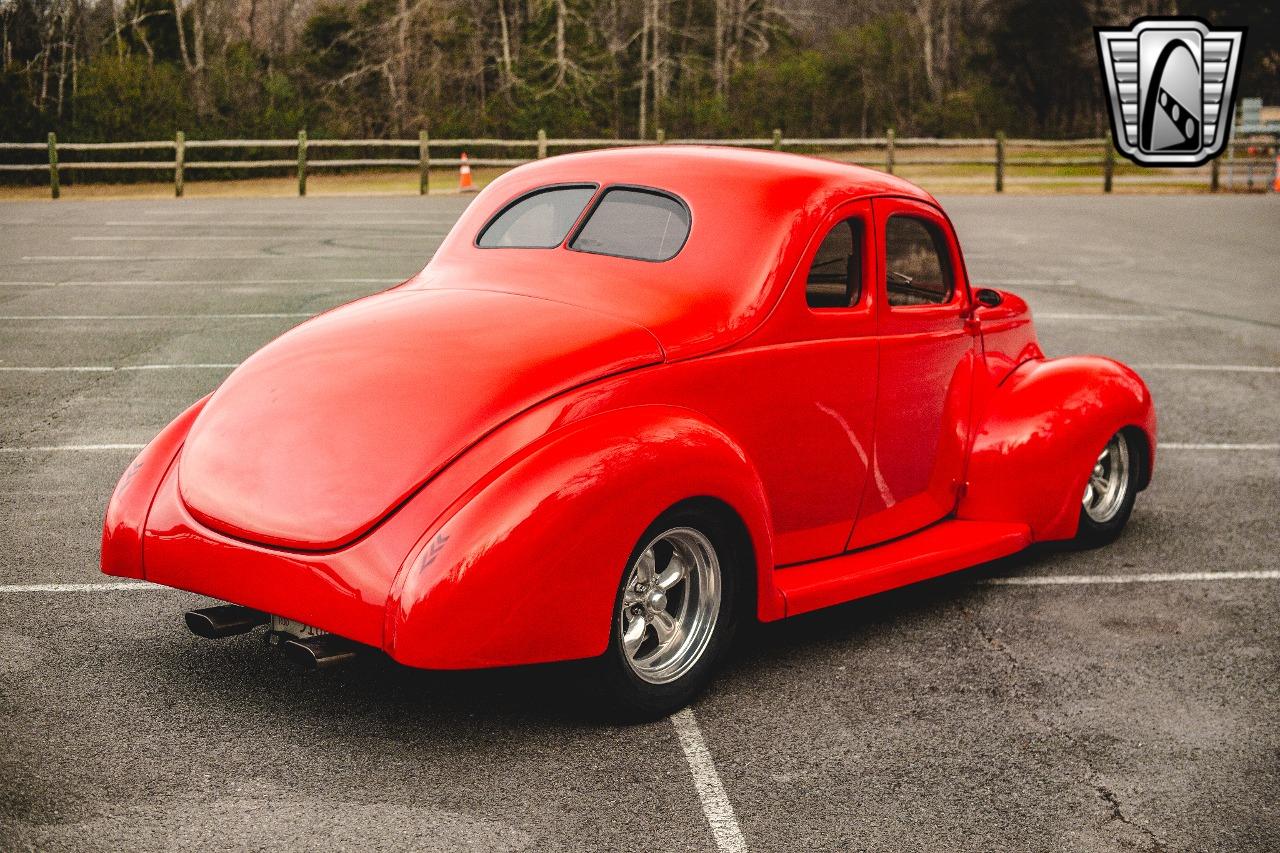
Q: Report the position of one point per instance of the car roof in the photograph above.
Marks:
(753, 213)
(719, 163)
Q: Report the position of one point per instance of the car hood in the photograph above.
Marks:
(325, 431)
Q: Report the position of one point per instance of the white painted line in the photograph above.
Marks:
(1152, 577)
(1099, 317)
(80, 448)
(247, 223)
(95, 368)
(1024, 282)
(715, 802)
(61, 317)
(114, 586)
(256, 256)
(169, 238)
(1222, 368)
(230, 282)
(1181, 445)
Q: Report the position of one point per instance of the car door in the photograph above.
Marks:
(924, 379)
(801, 400)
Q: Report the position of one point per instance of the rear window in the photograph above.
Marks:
(644, 225)
(540, 220)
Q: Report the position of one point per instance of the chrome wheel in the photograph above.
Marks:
(1109, 481)
(669, 605)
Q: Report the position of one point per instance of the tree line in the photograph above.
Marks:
(106, 70)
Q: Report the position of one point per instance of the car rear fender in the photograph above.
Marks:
(126, 517)
(1038, 433)
(524, 568)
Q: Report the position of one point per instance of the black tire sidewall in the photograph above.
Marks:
(627, 696)
(1093, 534)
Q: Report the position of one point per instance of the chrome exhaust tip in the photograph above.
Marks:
(224, 620)
(320, 652)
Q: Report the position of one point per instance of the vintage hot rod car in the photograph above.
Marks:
(636, 397)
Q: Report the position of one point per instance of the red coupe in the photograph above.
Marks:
(636, 398)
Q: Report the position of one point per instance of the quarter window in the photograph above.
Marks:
(835, 276)
(639, 224)
(540, 220)
(917, 269)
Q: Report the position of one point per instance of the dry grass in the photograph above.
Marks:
(948, 179)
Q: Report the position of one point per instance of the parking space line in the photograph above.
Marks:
(68, 317)
(75, 448)
(979, 281)
(715, 802)
(1224, 368)
(169, 238)
(113, 586)
(1149, 577)
(234, 282)
(256, 256)
(1142, 318)
(1182, 445)
(106, 368)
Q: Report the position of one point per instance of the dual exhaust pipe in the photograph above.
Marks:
(310, 653)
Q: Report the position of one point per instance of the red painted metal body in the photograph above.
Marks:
(456, 470)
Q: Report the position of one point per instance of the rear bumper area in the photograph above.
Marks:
(343, 592)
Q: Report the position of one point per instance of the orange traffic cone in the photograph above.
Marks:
(1276, 186)
(464, 176)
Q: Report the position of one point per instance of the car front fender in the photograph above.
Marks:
(526, 565)
(126, 517)
(1038, 434)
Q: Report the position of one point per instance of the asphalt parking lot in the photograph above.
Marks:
(960, 714)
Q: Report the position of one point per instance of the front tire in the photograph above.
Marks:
(673, 617)
(1110, 492)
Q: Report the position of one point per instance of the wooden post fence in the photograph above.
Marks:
(424, 163)
(179, 162)
(1000, 161)
(1108, 163)
(302, 162)
(1214, 168)
(539, 147)
(54, 190)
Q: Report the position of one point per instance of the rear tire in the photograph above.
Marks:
(1110, 492)
(673, 617)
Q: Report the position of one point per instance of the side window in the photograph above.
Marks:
(917, 266)
(540, 220)
(835, 276)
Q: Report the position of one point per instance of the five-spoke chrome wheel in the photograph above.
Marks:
(670, 603)
(1108, 486)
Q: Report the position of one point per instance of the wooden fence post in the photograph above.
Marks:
(1108, 163)
(777, 139)
(999, 161)
(424, 163)
(661, 136)
(542, 143)
(302, 162)
(888, 151)
(179, 162)
(54, 190)
(1214, 169)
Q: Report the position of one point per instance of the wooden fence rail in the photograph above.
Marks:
(886, 148)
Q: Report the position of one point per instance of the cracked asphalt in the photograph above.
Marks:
(952, 715)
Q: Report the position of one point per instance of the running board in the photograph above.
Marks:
(936, 550)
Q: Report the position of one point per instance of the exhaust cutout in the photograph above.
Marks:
(224, 620)
(320, 652)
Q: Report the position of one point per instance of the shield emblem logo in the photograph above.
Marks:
(1171, 83)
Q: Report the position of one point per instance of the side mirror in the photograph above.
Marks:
(988, 297)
